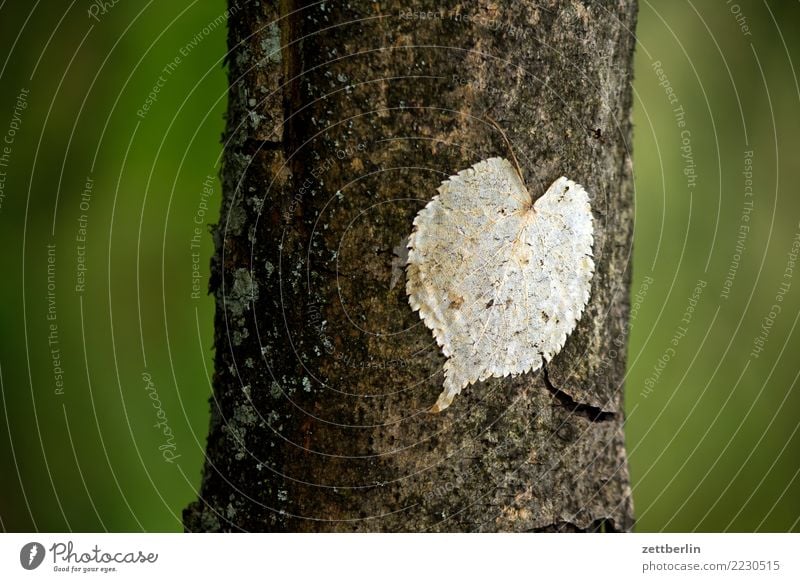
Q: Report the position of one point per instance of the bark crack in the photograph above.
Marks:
(587, 411)
(263, 144)
(605, 525)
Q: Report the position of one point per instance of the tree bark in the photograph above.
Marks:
(343, 118)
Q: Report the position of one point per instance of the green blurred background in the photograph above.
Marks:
(712, 426)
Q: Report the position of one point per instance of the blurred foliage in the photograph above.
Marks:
(712, 432)
(89, 459)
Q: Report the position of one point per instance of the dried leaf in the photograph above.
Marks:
(499, 280)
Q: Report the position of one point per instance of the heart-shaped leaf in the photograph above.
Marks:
(500, 280)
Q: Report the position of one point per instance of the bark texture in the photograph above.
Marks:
(343, 119)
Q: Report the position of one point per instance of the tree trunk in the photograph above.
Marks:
(343, 118)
